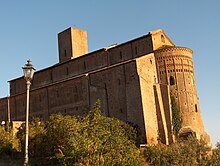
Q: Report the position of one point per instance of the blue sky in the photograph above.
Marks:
(29, 30)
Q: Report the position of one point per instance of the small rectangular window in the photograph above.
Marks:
(67, 71)
(84, 65)
(196, 109)
(172, 80)
(65, 53)
(120, 55)
(51, 76)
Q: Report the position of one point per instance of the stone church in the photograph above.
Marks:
(134, 81)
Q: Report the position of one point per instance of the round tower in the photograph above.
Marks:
(175, 68)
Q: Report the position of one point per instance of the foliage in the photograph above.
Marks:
(98, 140)
(184, 152)
(215, 158)
(35, 136)
(90, 140)
(6, 142)
(176, 116)
(108, 140)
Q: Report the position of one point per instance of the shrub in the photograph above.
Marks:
(90, 140)
(184, 152)
(6, 142)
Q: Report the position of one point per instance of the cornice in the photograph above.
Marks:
(173, 49)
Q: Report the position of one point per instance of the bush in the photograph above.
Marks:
(184, 152)
(215, 160)
(35, 136)
(7, 142)
(90, 140)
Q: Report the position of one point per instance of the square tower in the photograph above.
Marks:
(72, 43)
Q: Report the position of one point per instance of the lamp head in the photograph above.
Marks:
(28, 70)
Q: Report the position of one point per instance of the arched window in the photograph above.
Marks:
(172, 80)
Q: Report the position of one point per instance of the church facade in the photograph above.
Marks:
(134, 80)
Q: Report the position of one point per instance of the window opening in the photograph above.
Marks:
(85, 65)
(196, 108)
(172, 81)
(120, 55)
(162, 39)
(67, 71)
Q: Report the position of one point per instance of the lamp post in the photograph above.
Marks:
(28, 70)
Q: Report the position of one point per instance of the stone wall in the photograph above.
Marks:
(133, 80)
(81, 65)
(175, 68)
(3, 109)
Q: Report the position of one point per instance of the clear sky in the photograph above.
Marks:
(28, 29)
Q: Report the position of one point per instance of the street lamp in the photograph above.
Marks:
(28, 70)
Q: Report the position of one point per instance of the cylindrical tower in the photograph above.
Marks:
(175, 68)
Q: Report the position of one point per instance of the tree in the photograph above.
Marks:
(35, 136)
(9, 145)
(90, 140)
(184, 152)
(215, 159)
(6, 142)
(108, 140)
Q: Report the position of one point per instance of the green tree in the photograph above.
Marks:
(6, 142)
(108, 140)
(9, 145)
(184, 152)
(215, 158)
(90, 140)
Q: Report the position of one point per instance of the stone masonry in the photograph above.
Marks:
(133, 80)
